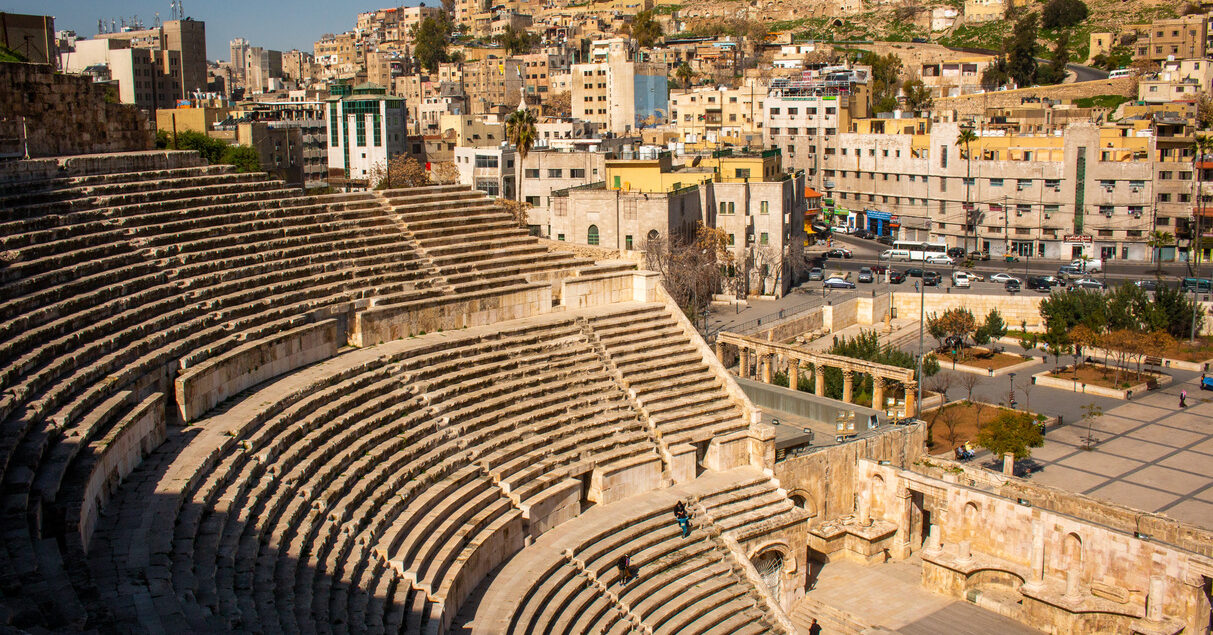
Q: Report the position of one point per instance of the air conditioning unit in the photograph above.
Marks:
(1135, 189)
(1108, 214)
(1048, 216)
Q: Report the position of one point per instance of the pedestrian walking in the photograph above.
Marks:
(814, 628)
(1183, 399)
(915, 286)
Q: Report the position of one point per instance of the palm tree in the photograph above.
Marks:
(684, 74)
(1201, 145)
(520, 131)
(1158, 240)
(966, 137)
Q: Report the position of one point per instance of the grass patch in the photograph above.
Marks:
(1100, 375)
(957, 423)
(1201, 351)
(1111, 102)
(980, 359)
(989, 35)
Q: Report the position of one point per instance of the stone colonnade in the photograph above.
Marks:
(761, 360)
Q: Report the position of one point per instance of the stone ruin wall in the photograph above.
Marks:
(65, 114)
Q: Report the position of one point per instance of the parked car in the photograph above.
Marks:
(816, 273)
(1012, 285)
(961, 279)
(957, 252)
(885, 240)
(897, 277)
(862, 233)
(939, 259)
(1054, 281)
(879, 269)
(978, 255)
(1206, 383)
(1003, 278)
(895, 254)
(1039, 283)
(1196, 284)
(914, 272)
(839, 252)
(1070, 272)
(931, 278)
(1088, 283)
(1147, 285)
(838, 283)
(975, 277)
(866, 275)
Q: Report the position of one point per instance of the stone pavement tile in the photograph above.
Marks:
(1168, 479)
(1067, 478)
(1140, 411)
(1205, 447)
(1100, 463)
(1162, 400)
(1053, 450)
(1114, 424)
(1069, 434)
(1193, 511)
(1135, 448)
(1132, 495)
(1166, 435)
(1188, 461)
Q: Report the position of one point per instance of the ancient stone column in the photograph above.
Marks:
(1072, 584)
(720, 351)
(743, 365)
(878, 393)
(912, 399)
(1008, 464)
(794, 374)
(768, 361)
(1154, 600)
(819, 381)
(964, 551)
(847, 376)
(1038, 556)
(933, 542)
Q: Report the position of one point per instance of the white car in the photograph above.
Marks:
(939, 259)
(1003, 278)
(961, 279)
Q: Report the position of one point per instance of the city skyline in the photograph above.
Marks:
(274, 25)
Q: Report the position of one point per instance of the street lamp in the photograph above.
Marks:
(1012, 376)
(922, 313)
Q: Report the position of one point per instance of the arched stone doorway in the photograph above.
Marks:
(770, 568)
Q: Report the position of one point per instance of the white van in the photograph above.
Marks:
(1094, 265)
(895, 254)
(1120, 72)
(961, 279)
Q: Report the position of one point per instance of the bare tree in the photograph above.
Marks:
(445, 173)
(691, 267)
(517, 209)
(941, 383)
(1027, 394)
(401, 171)
(950, 418)
(969, 381)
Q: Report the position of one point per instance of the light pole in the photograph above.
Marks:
(1012, 376)
(922, 312)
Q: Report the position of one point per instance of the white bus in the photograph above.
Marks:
(920, 250)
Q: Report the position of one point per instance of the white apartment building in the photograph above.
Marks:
(618, 92)
(365, 128)
(490, 169)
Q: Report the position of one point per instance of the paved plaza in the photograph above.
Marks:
(1147, 453)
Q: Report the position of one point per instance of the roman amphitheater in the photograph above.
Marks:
(230, 406)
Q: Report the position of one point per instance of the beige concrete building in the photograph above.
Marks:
(1184, 37)
(708, 117)
(185, 39)
(618, 92)
(148, 78)
(491, 82)
(490, 169)
(1176, 80)
(547, 170)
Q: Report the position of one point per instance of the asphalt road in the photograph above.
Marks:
(1086, 73)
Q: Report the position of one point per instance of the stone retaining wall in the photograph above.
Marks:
(384, 324)
(68, 114)
(204, 386)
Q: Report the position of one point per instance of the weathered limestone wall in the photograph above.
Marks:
(839, 315)
(827, 478)
(384, 324)
(1014, 309)
(58, 167)
(788, 328)
(202, 387)
(1160, 528)
(873, 309)
(596, 253)
(66, 114)
(115, 456)
(1080, 575)
(977, 104)
(628, 286)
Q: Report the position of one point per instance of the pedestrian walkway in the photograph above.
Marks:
(853, 598)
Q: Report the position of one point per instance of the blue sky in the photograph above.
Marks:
(275, 24)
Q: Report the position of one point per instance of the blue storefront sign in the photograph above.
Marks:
(877, 220)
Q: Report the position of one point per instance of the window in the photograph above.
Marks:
(486, 161)
(533, 201)
(774, 112)
(591, 235)
(724, 209)
(995, 182)
(627, 242)
(615, 182)
(1023, 184)
(555, 173)
(943, 156)
(1105, 233)
(531, 173)
(1106, 210)
(732, 239)
(763, 238)
(742, 173)
(968, 181)
(576, 173)
(488, 186)
(732, 208)
(792, 112)
(764, 207)
(1053, 183)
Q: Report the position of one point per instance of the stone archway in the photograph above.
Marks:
(770, 566)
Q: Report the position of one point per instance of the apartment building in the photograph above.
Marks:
(706, 117)
(148, 78)
(537, 68)
(545, 170)
(1183, 37)
(184, 40)
(749, 196)
(1176, 80)
(297, 65)
(804, 123)
(261, 66)
(366, 127)
(490, 169)
(618, 92)
(1082, 190)
(491, 82)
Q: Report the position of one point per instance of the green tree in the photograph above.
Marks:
(996, 74)
(886, 78)
(1201, 146)
(685, 74)
(1065, 309)
(516, 42)
(1204, 111)
(245, 158)
(1157, 241)
(645, 30)
(1011, 433)
(430, 43)
(1056, 71)
(954, 323)
(918, 96)
(993, 328)
(1062, 14)
(1022, 51)
(520, 131)
(966, 138)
